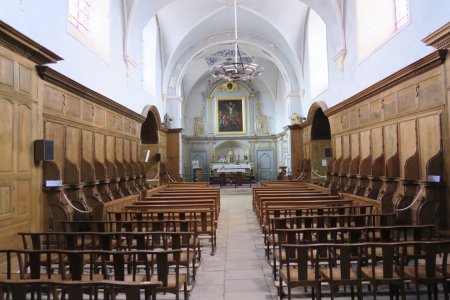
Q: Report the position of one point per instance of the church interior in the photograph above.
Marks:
(224, 149)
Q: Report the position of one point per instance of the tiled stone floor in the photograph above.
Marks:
(238, 270)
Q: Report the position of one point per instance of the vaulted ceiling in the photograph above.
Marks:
(272, 31)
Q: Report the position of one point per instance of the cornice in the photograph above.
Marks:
(421, 66)
(24, 46)
(72, 86)
(174, 130)
(439, 39)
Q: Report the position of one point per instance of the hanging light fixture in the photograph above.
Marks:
(239, 67)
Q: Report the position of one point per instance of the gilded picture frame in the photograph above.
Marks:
(231, 115)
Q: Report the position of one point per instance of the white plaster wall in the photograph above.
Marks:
(402, 49)
(281, 108)
(45, 21)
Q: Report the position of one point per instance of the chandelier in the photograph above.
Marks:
(239, 67)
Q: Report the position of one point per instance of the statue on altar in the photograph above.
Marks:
(231, 157)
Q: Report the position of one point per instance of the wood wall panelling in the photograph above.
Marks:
(431, 91)
(99, 143)
(6, 135)
(110, 148)
(6, 200)
(406, 98)
(88, 145)
(24, 145)
(376, 110)
(390, 140)
(338, 147)
(119, 149)
(389, 104)
(53, 99)
(25, 78)
(365, 144)
(6, 71)
(99, 117)
(355, 147)
(73, 145)
(429, 140)
(353, 119)
(23, 197)
(364, 114)
(376, 138)
(88, 112)
(72, 106)
(407, 143)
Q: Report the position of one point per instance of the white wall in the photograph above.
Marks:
(45, 21)
(402, 49)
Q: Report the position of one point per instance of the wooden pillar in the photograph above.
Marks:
(296, 147)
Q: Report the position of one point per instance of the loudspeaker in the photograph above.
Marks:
(43, 150)
(158, 156)
(328, 152)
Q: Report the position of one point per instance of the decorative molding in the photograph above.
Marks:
(22, 45)
(440, 39)
(423, 65)
(339, 60)
(72, 86)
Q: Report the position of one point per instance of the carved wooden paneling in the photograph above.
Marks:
(345, 120)
(88, 112)
(119, 149)
(126, 150)
(364, 114)
(73, 106)
(6, 71)
(354, 121)
(336, 124)
(53, 99)
(407, 99)
(73, 145)
(55, 132)
(100, 147)
(376, 110)
(354, 142)
(127, 125)
(338, 147)
(110, 148)
(407, 142)
(23, 197)
(110, 119)
(134, 149)
(390, 140)
(24, 79)
(431, 91)
(365, 143)
(6, 200)
(119, 123)
(100, 117)
(346, 146)
(376, 138)
(24, 137)
(6, 136)
(88, 145)
(429, 139)
(390, 105)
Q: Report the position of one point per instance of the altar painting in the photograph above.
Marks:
(230, 115)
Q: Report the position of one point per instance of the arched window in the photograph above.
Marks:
(317, 53)
(150, 57)
(88, 22)
(377, 21)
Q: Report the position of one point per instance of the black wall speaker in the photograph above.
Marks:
(43, 150)
(158, 156)
(328, 152)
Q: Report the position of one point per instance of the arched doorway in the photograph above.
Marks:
(320, 150)
(150, 142)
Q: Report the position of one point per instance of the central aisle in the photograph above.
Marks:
(238, 270)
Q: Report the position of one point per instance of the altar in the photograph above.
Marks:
(231, 168)
(230, 171)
